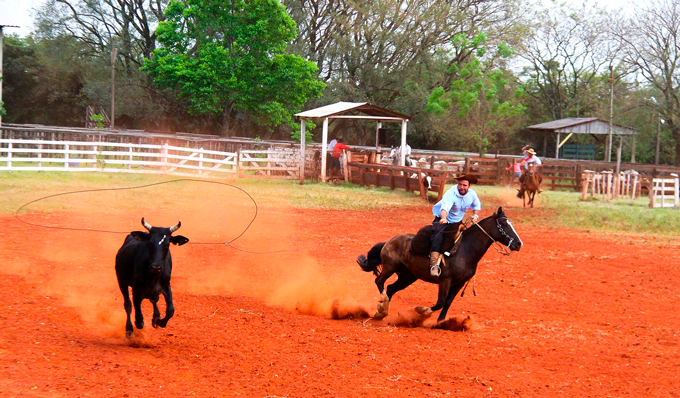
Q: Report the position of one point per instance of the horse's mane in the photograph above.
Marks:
(467, 229)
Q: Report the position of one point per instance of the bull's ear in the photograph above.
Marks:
(178, 240)
(140, 236)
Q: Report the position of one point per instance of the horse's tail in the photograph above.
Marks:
(372, 262)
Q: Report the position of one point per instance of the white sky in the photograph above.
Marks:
(20, 10)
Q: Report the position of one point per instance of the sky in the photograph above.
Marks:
(20, 11)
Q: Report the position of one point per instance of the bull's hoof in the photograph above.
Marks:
(139, 325)
(423, 310)
(154, 322)
(160, 323)
(129, 334)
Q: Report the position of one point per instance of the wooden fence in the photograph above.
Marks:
(45, 155)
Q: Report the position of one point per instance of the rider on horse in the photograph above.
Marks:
(530, 157)
(450, 210)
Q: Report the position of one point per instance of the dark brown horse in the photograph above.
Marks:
(396, 258)
(529, 187)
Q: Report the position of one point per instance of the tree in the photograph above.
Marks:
(479, 91)
(103, 24)
(650, 38)
(388, 52)
(566, 51)
(42, 81)
(227, 56)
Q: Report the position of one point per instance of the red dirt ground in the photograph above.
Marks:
(572, 314)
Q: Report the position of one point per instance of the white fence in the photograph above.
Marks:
(665, 192)
(18, 154)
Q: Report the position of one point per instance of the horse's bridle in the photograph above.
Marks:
(503, 250)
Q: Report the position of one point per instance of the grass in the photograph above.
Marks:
(19, 188)
(561, 209)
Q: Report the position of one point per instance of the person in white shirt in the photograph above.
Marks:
(531, 158)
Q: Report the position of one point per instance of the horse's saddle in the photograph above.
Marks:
(422, 241)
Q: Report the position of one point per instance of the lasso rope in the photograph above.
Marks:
(225, 243)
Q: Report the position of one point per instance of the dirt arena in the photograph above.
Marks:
(572, 314)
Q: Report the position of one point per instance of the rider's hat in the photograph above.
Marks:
(468, 177)
(531, 151)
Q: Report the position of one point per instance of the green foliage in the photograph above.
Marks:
(99, 119)
(478, 90)
(223, 57)
(295, 135)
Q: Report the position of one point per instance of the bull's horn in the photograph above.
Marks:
(175, 227)
(147, 226)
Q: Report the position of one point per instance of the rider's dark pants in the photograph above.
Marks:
(437, 236)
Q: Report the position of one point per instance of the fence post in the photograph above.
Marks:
(164, 158)
(66, 157)
(9, 154)
(584, 185)
(676, 192)
(238, 162)
(200, 162)
(130, 157)
(652, 193)
(344, 165)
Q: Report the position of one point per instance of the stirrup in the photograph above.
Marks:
(435, 270)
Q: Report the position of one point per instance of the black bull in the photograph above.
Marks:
(145, 264)
(396, 257)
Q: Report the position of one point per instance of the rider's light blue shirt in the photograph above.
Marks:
(456, 205)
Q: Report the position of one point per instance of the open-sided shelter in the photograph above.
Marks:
(581, 125)
(349, 110)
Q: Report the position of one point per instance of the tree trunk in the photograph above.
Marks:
(227, 119)
(676, 134)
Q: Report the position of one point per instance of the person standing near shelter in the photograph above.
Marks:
(516, 171)
(450, 210)
(335, 155)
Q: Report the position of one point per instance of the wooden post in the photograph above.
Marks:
(391, 174)
(130, 157)
(421, 183)
(362, 177)
(238, 162)
(9, 154)
(635, 183)
(584, 184)
(200, 162)
(303, 137)
(344, 165)
(66, 156)
(324, 147)
(652, 193)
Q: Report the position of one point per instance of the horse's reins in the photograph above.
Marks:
(503, 250)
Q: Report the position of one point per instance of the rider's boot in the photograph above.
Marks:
(539, 190)
(434, 267)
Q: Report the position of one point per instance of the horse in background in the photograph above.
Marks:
(395, 257)
(529, 187)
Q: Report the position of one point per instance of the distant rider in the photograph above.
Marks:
(450, 210)
(530, 157)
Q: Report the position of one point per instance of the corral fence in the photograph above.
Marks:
(41, 155)
(35, 147)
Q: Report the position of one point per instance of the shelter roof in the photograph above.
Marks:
(353, 108)
(582, 125)
(6, 19)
